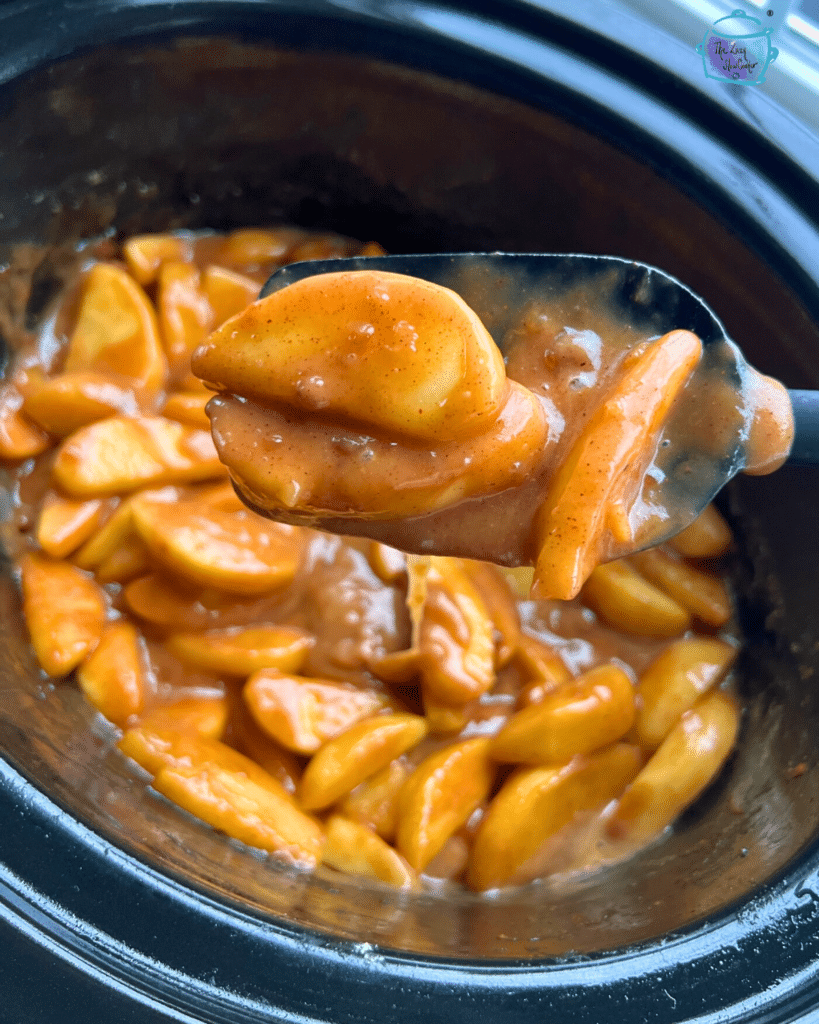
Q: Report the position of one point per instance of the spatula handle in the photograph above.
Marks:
(805, 450)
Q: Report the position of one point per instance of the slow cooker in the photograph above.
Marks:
(548, 126)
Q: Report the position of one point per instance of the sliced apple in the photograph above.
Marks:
(65, 403)
(185, 316)
(240, 651)
(116, 329)
(115, 678)
(188, 407)
(64, 610)
(19, 437)
(227, 292)
(246, 248)
(394, 353)
(64, 523)
(301, 713)
(145, 254)
(122, 454)
(234, 551)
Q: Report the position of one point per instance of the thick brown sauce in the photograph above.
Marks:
(350, 595)
(298, 463)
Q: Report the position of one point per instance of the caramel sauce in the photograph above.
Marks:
(344, 462)
(350, 599)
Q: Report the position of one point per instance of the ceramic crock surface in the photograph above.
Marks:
(427, 128)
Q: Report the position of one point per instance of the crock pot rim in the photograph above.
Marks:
(789, 154)
(521, 50)
(700, 970)
(26, 816)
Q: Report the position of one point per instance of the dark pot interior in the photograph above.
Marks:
(189, 132)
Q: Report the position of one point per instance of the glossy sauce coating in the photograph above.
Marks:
(590, 443)
(418, 721)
